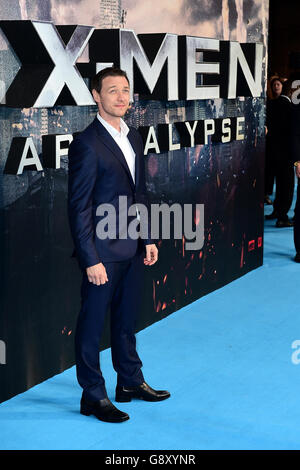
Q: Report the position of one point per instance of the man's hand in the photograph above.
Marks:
(297, 170)
(97, 274)
(151, 255)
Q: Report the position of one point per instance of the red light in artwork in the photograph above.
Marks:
(197, 217)
(242, 256)
(259, 242)
(154, 293)
(152, 165)
(251, 245)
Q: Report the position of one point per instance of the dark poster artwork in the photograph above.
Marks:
(40, 282)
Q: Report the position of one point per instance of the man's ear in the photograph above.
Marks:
(96, 96)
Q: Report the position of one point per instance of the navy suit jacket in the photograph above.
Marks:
(99, 174)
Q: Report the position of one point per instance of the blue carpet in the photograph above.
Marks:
(226, 358)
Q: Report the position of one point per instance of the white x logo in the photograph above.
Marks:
(64, 59)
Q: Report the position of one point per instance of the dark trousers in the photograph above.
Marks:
(122, 296)
(297, 221)
(284, 189)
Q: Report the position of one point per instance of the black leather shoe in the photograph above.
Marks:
(103, 410)
(297, 258)
(271, 216)
(143, 392)
(284, 223)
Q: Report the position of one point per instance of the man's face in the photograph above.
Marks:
(113, 99)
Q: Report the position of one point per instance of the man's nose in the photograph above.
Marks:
(121, 95)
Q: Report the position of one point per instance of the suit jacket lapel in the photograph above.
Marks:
(110, 143)
(133, 143)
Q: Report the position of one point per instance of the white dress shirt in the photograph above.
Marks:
(122, 140)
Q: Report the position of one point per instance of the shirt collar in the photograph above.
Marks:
(112, 130)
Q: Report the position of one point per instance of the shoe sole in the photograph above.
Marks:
(86, 412)
(126, 418)
(126, 399)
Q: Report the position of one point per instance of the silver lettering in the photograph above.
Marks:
(131, 48)
(193, 91)
(64, 58)
(237, 55)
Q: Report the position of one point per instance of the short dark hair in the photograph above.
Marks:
(96, 82)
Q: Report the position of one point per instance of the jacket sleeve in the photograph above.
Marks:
(81, 183)
(295, 134)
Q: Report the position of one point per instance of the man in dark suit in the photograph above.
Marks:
(295, 156)
(297, 207)
(279, 148)
(106, 161)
